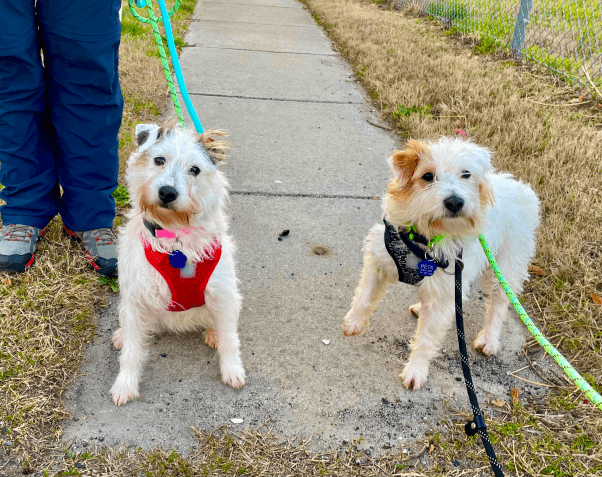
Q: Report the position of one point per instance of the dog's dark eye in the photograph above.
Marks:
(159, 161)
(465, 175)
(194, 171)
(428, 177)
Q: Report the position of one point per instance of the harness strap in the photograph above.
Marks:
(478, 424)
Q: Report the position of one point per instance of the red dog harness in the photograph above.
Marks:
(186, 292)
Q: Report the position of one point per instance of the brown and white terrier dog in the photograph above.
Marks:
(176, 259)
(449, 188)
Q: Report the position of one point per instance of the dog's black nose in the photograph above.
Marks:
(454, 204)
(167, 194)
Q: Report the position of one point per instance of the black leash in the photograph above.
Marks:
(477, 425)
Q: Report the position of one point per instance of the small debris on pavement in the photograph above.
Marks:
(278, 182)
(237, 420)
(283, 234)
(326, 342)
(498, 402)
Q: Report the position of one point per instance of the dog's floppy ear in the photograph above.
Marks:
(146, 136)
(216, 150)
(403, 163)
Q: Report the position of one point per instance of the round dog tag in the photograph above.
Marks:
(426, 268)
(177, 259)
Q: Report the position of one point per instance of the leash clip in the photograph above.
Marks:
(472, 427)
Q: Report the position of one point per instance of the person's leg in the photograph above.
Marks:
(81, 46)
(27, 163)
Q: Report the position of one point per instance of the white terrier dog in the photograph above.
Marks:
(176, 260)
(449, 189)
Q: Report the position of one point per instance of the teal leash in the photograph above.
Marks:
(153, 20)
(581, 383)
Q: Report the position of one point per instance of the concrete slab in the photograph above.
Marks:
(270, 38)
(261, 74)
(281, 147)
(270, 3)
(249, 13)
(294, 298)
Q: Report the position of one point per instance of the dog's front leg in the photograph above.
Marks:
(131, 338)
(225, 306)
(435, 317)
(373, 285)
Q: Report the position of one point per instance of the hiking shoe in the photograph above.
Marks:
(17, 247)
(101, 249)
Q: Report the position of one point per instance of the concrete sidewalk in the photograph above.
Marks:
(304, 158)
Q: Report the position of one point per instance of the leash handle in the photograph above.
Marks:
(478, 424)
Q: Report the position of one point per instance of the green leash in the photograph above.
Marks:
(581, 383)
(153, 20)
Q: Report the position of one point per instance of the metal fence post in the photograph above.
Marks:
(520, 30)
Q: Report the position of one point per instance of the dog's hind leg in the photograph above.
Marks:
(132, 336)
(372, 287)
(488, 340)
(210, 337)
(225, 303)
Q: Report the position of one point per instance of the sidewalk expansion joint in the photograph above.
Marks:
(300, 194)
(252, 5)
(254, 23)
(320, 101)
(263, 51)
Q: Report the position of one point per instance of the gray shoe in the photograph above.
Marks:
(18, 246)
(101, 249)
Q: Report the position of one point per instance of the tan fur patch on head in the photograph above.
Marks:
(167, 218)
(405, 163)
(216, 150)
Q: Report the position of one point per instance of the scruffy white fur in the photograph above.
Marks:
(504, 209)
(145, 295)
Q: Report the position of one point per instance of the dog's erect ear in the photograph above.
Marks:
(403, 163)
(146, 136)
(216, 150)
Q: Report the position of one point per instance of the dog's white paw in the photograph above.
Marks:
(415, 309)
(122, 392)
(354, 324)
(485, 345)
(118, 338)
(414, 375)
(210, 337)
(234, 376)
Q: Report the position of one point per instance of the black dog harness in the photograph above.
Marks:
(412, 262)
(413, 265)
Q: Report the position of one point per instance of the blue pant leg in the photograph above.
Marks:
(27, 162)
(86, 107)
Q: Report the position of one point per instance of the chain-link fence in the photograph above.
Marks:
(563, 35)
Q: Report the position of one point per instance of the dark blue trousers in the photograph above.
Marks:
(60, 111)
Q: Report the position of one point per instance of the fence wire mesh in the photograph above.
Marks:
(565, 36)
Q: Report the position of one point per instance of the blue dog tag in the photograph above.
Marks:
(177, 259)
(426, 268)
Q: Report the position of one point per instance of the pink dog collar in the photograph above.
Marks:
(159, 232)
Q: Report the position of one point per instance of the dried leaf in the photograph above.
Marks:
(535, 269)
(6, 281)
(596, 299)
(432, 449)
(498, 402)
(581, 97)
(514, 394)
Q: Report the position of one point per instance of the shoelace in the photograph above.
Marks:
(19, 233)
(103, 236)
